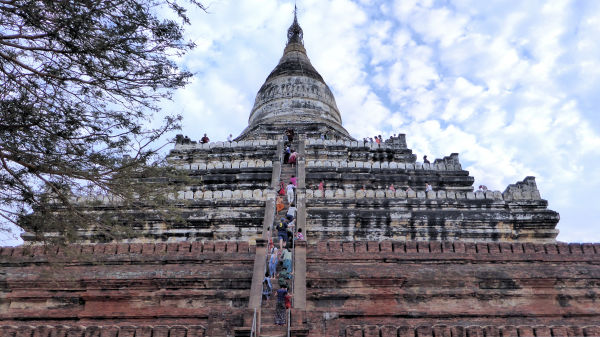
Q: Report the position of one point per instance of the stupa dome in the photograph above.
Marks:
(294, 96)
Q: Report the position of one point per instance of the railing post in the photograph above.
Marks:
(299, 290)
(258, 275)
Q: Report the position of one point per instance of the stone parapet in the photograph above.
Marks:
(402, 194)
(383, 165)
(453, 250)
(470, 331)
(217, 145)
(129, 251)
(103, 330)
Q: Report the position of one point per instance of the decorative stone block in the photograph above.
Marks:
(354, 144)
(450, 195)
(393, 165)
(526, 195)
(180, 194)
(189, 195)
(385, 165)
(418, 166)
(400, 194)
(413, 194)
(421, 194)
(441, 194)
(237, 194)
(479, 195)
(210, 166)
(243, 164)
(227, 165)
(379, 194)
(389, 193)
(497, 195)
(268, 163)
(427, 166)
(410, 166)
(227, 194)
(360, 164)
(257, 194)
(343, 163)
(376, 165)
(251, 163)
(471, 195)
(431, 195)
(369, 193)
(329, 194)
(318, 163)
(207, 195)
(309, 193)
(318, 194)
(361, 194)
(440, 167)
(219, 165)
(247, 194)
(402, 166)
(349, 193)
(218, 194)
(339, 193)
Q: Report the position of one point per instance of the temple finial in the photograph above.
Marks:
(295, 34)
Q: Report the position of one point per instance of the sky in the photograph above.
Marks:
(512, 86)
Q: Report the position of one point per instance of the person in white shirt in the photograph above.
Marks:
(428, 188)
(291, 213)
(290, 192)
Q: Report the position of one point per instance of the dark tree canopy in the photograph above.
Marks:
(80, 80)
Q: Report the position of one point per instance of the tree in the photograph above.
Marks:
(80, 80)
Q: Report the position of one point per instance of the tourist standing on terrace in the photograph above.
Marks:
(294, 180)
(204, 139)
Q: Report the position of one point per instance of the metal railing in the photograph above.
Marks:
(253, 330)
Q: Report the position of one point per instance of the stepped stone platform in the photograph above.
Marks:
(382, 256)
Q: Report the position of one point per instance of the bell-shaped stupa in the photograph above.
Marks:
(294, 96)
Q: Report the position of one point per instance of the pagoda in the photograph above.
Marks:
(383, 255)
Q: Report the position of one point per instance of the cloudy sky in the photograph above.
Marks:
(512, 86)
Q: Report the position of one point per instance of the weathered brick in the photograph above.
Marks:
(399, 247)
(386, 246)
(354, 331)
(360, 247)
(525, 331)
(371, 331)
(389, 331)
(509, 331)
(423, 247)
(474, 331)
(373, 246)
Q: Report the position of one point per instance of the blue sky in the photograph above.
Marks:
(512, 86)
